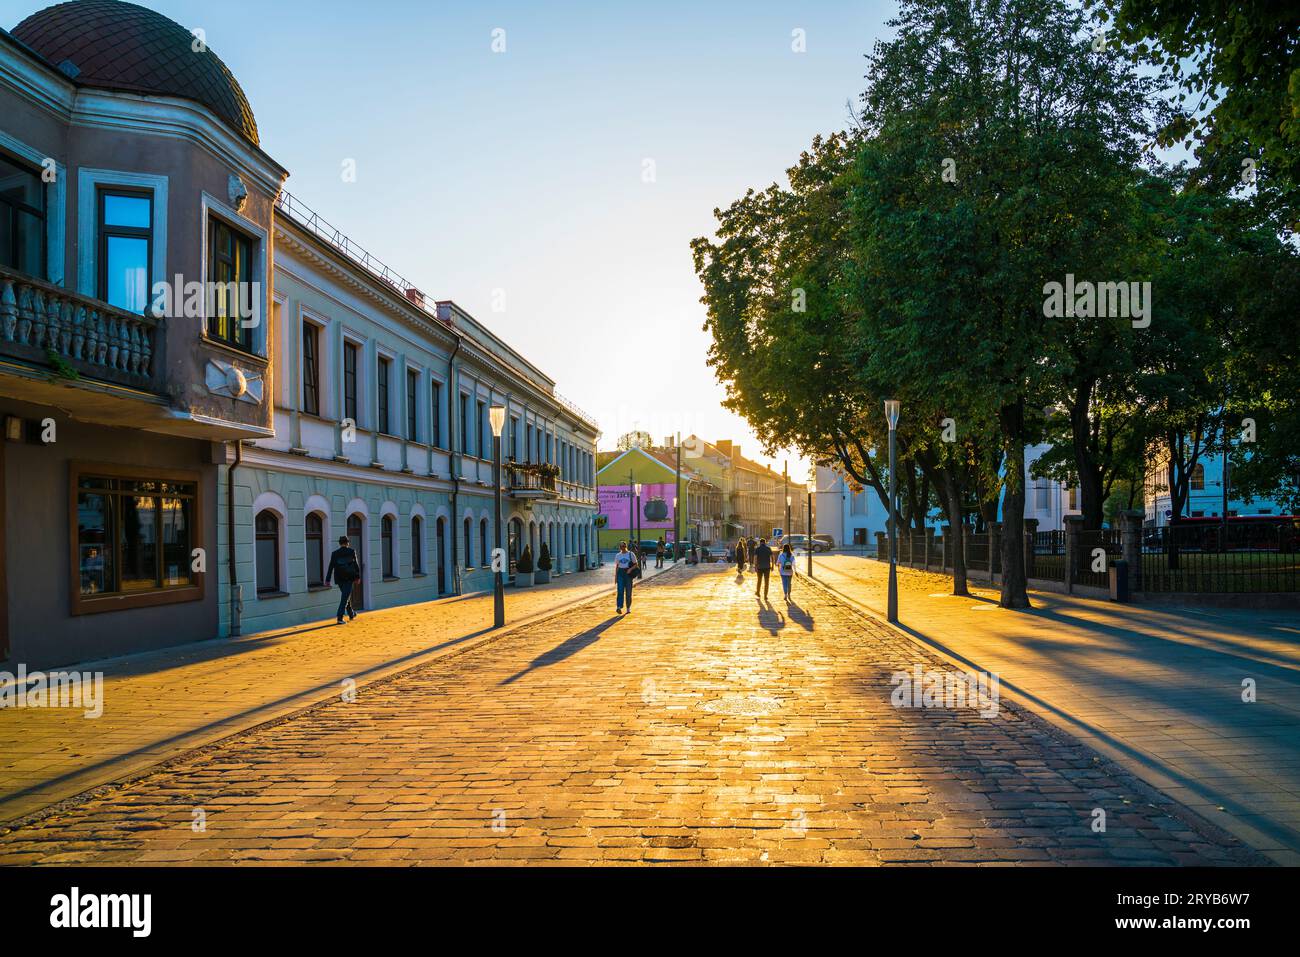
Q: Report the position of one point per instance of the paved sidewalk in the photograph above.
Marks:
(161, 703)
(1158, 688)
(704, 727)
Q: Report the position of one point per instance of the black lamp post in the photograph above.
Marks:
(891, 417)
(497, 416)
(636, 522)
(810, 549)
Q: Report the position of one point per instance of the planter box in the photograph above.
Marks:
(523, 579)
(543, 576)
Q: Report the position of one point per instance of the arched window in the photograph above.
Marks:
(315, 550)
(469, 545)
(483, 541)
(417, 545)
(1198, 478)
(386, 545)
(267, 551)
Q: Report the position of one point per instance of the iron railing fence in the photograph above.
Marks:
(1248, 558)
(1097, 548)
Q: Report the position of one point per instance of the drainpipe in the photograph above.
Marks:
(236, 592)
(453, 419)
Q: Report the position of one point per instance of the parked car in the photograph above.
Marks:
(827, 540)
(800, 543)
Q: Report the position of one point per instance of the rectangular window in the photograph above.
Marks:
(22, 218)
(435, 414)
(1041, 500)
(310, 369)
(528, 445)
(125, 236)
(482, 429)
(412, 386)
(230, 278)
(464, 424)
(133, 536)
(350, 381)
(382, 384)
(514, 436)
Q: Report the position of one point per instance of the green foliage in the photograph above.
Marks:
(524, 563)
(544, 558)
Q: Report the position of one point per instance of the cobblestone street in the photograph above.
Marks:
(705, 727)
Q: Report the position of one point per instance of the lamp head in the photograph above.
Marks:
(497, 416)
(891, 413)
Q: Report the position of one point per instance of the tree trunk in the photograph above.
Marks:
(1015, 590)
(957, 527)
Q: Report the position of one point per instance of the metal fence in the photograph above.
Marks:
(1097, 548)
(1201, 558)
(1045, 556)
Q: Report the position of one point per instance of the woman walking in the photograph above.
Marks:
(624, 562)
(740, 558)
(785, 565)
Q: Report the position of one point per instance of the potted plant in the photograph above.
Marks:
(524, 568)
(543, 565)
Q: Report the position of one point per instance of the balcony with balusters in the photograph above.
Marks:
(62, 348)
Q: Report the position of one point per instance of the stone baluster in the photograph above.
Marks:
(124, 352)
(8, 310)
(76, 320)
(43, 334)
(101, 339)
(146, 353)
(92, 336)
(24, 315)
(114, 341)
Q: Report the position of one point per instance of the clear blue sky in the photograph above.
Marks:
(522, 171)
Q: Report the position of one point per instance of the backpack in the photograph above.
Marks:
(346, 568)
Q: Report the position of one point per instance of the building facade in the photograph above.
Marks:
(1204, 494)
(130, 165)
(191, 421)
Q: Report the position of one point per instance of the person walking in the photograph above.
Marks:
(344, 569)
(659, 552)
(740, 558)
(625, 564)
(762, 567)
(785, 567)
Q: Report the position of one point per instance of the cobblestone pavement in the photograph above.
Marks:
(163, 703)
(704, 727)
(1158, 687)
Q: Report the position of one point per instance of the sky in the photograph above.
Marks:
(551, 189)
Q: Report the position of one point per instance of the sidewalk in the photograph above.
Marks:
(161, 703)
(1159, 689)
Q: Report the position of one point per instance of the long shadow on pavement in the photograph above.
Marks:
(566, 649)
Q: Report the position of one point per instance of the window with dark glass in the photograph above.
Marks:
(464, 424)
(382, 382)
(528, 446)
(514, 436)
(133, 536)
(22, 218)
(230, 275)
(350, 382)
(386, 541)
(310, 369)
(315, 550)
(267, 551)
(125, 236)
(483, 541)
(469, 546)
(482, 430)
(412, 386)
(435, 414)
(417, 545)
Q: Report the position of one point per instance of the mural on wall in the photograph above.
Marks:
(656, 505)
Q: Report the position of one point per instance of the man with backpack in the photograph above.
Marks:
(345, 569)
(763, 567)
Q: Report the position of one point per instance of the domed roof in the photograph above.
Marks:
(121, 46)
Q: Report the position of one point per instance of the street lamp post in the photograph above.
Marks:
(497, 416)
(891, 416)
(636, 522)
(810, 549)
(676, 537)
